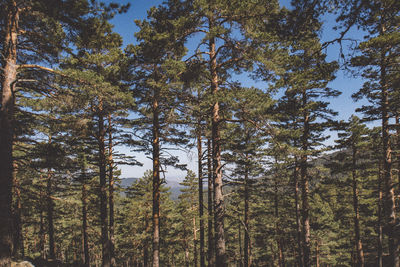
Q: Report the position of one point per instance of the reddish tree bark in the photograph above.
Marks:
(9, 55)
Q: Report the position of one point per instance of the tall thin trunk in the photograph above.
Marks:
(9, 55)
(380, 202)
(186, 259)
(317, 253)
(145, 257)
(18, 249)
(398, 151)
(277, 227)
(85, 240)
(210, 192)
(357, 236)
(147, 226)
(219, 214)
(300, 259)
(50, 207)
(42, 235)
(390, 206)
(86, 258)
(305, 187)
(201, 206)
(246, 218)
(156, 179)
(194, 239)
(50, 216)
(241, 263)
(111, 191)
(106, 261)
(398, 179)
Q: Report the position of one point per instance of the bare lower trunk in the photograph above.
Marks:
(50, 206)
(86, 258)
(18, 249)
(246, 219)
(219, 210)
(194, 240)
(398, 153)
(210, 192)
(187, 261)
(390, 206)
(305, 188)
(145, 257)
(241, 263)
(277, 227)
(50, 217)
(201, 206)
(106, 261)
(305, 217)
(300, 259)
(42, 237)
(111, 191)
(398, 182)
(9, 55)
(379, 230)
(156, 180)
(357, 236)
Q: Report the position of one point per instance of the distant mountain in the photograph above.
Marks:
(173, 185)
(126, 182)
(175, 189)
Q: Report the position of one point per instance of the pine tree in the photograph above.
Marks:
(306, 81)
(157, 66)
(44, 28)
(98, 67)
(188, 206)
(250, 108)
(353, 137)
(378, 59)
(17, 23)
(216, 22)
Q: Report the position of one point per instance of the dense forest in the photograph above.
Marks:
(281, 180)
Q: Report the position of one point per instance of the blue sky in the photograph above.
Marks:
(344, 105)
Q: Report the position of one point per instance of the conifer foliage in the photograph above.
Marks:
(245, 85)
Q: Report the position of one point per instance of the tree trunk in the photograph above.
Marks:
(201, 206)
(42, 237)
(194, 239)
(9, 56)
(210, 192)
(186, 259)
(50, 205)
(300, 259)
(219, 210)
(278, 230)
(86, 257)
(106, 261)
(380, 202)
(305, 187)
(246, 218)
(357, 236)
(398, 178)
(50, 217)
(241, 263)
(156, 180)
(398, 152)
(18, 246)
(111, 191)
(145, 257)
(317, 253)
(390, 206)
